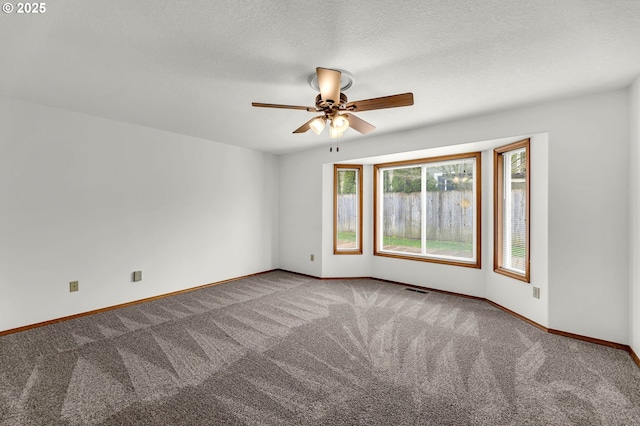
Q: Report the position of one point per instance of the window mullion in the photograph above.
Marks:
(423, 211)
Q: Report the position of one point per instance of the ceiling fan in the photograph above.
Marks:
(336, 108)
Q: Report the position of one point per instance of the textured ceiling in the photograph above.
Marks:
(194, 67)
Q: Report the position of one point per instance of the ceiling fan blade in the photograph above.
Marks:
(329, 83)
(306, 126)
(304, 108)
(393, 101)
(359, 124)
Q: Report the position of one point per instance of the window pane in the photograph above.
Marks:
(402, 210)
(427, 209)
(449, 209)
(511, 210)
(514, 233)
(348, 209)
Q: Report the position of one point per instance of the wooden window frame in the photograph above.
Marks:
(336, 169)
(498, 191)
(475, 263)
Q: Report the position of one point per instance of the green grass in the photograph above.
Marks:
(431, 244)
(347, 237)
(412, 243)
(517, 251)
(402, 242)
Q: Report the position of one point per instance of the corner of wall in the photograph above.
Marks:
(634, 216)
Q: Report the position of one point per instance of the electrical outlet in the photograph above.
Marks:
(536, 292)
(74, 286)
(312, 258)
(137, 276)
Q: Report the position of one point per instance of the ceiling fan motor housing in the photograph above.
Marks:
(330, 105)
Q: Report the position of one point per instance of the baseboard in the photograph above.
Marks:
(434, 290)
(324, 278)
(634, 356)
(124, 305)
(591, 340)
(305, 275)
(517, 315)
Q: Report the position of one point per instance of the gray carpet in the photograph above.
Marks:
(283, 349)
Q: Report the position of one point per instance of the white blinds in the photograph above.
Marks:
(514, 226)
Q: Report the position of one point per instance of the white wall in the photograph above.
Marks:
(585, 281)
(300, 213)
(88, 199)
(634, 197)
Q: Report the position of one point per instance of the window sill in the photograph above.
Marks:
(470, 264)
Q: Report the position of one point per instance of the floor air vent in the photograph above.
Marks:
(416, 290)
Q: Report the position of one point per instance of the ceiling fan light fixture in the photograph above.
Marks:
(317, 125)
(339, 123)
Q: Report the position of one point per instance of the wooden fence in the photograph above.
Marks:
(449, 215)
(347, 215)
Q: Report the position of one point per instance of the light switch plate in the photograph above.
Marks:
(74, 286)
(137, 276)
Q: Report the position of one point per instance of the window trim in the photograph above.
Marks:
(336, 168)
(498, 190)
(477, 262)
